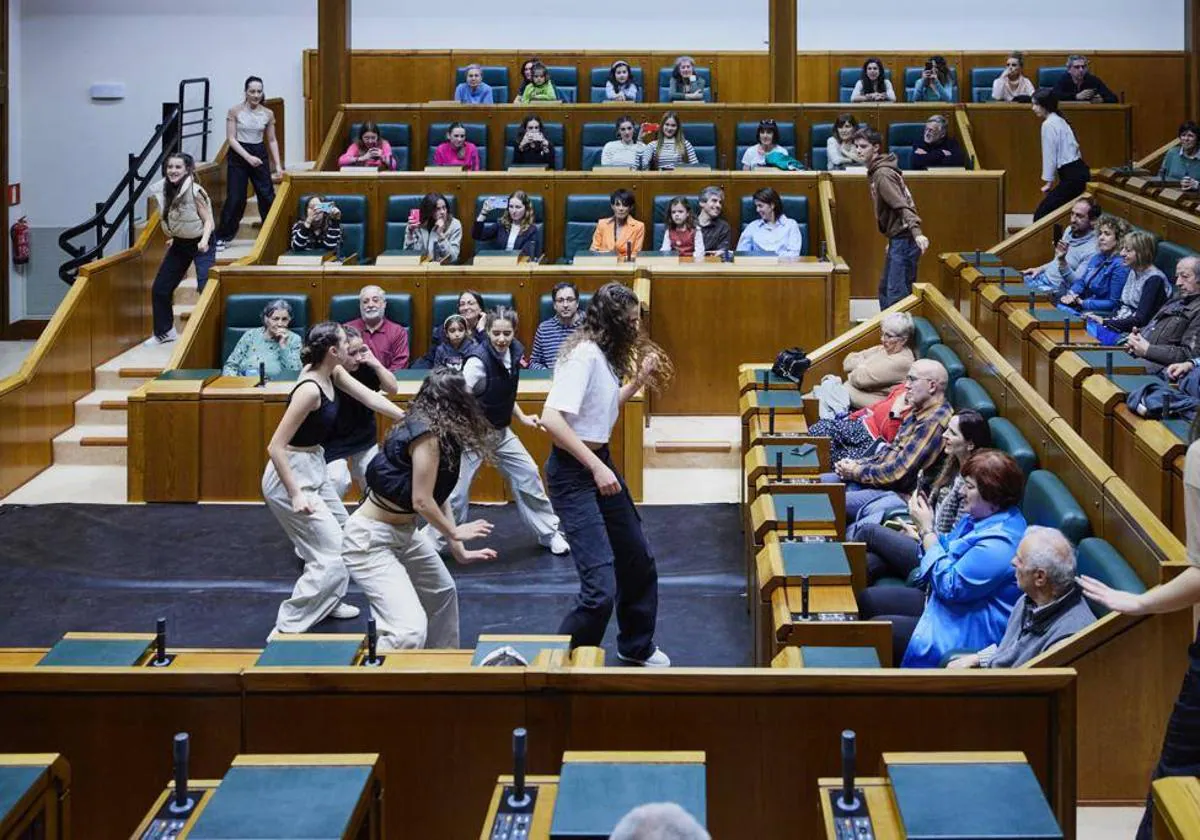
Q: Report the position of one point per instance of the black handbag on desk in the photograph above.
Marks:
(791, 364)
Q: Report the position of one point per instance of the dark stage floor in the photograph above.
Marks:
(218, 573)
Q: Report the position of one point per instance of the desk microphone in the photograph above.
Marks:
(779, 466)
(771, 420)
(977, 258)
(372, 660)
(1067, 331)
(804, 597)
(262, 375)
(791, 531)
(519, 797)
(767, 381)
(1032, 298)
(161, 659)
(182, 803)
(1108, 365)
(848, 801)
(851, 819)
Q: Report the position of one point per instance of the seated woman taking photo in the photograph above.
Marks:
(274, 346)
(434, 231)
(933, 85)
(369, 149)
(967, 575)
(531, 146)
(515, 231)
(671, 149)
(320, 229)
(768, 141)
(772, 232)
(628, 149)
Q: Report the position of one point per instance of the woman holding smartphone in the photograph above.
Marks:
(369, 149)
(597, 515)
(320, 229)
(515, 231)
(531, 146)
(434, 231)
(250, 133)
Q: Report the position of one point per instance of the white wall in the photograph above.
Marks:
(72, 150)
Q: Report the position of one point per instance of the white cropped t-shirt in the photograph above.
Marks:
(586, 392)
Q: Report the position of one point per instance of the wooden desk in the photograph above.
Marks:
(1029, 340)
(984, 296)
(1072, 367)
(38, 802)
(1176, 807)
(218, 452)
(789, 628)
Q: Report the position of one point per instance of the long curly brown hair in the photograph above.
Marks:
(454, 415)
(620, 339)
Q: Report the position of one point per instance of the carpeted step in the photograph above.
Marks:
(103, 408)
(92, 445)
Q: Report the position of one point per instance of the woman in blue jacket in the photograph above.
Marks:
(968, 575)
(1098, 288)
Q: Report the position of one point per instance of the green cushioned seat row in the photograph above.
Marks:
(1007, 438)
(924, 336)
(1097, 558)
(955, 369)
(966, 393)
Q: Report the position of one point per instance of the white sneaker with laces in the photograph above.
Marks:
(558, 545)
(344, 611)
(658, 659)
(155, 340)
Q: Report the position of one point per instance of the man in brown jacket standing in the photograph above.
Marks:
(897, 218)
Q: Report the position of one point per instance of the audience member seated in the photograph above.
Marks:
(1050, 610)
(370, 149)
(1099, 287)
(718, 235)
(768, 141)
(936, 147)
(620, 86)
(1172, 338)
(457, 150)
(628, 149)
(858, 433)
(873, 86)
(1146, 290)
(839, 148)
(275, 346)
(517, 229)
(671, 149)
(965, 583)
(552, 332)
(474, 91)
(470, 308)
(917, 446)
(871, 373)
(620, 232)
(531, 145)
(685, 82)
(934, 83)
(320, 229)
(682, 235)
(1078, 85)
(1071, 254)
(659, 821)
(540, 88)
(455, 346)
(772, 232)
(1182, 163)
(936, 505)
(387, 339)
(526, 76)
(1013, 85)
(433, 231)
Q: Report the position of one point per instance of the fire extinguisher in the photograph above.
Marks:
(20, 241)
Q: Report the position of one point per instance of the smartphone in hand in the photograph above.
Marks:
(414, 216)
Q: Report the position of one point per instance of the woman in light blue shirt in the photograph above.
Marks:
(275, 346)
(474, 91)
(933, 85)
(772, 232)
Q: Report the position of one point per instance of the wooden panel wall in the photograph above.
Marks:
(1154, 82)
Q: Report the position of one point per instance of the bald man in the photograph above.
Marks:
(916, 447)
(387, 339)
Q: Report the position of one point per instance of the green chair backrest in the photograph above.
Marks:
(1007, 438)
(399, 137)
(1048, 502)
(924, 336)
(955, 369)
(245, 312)
(582, 213)
(966, 393)
(1097, 559)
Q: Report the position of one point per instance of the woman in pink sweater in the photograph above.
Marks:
(457, 150)
(370, 149)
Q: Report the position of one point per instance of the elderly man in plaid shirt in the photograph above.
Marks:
(917, 445)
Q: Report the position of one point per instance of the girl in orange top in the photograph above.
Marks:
(621, 232)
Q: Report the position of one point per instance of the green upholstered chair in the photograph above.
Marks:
(583, 211)
(554, 133)
(1168, 255)
(924, 336)
(396, 223)
(476, 133)
(664, 84)
(244, 313)
(981, 82)
(901, 138)
(1007, 438)
(1048, 502)
(795, 207)
(399, 137)
(592, 138)
(344, 308)
(566, 84)
(950, 361)
(599, 78)
(966, 393)
(703, 137)
(1096, 558)
(354, 222)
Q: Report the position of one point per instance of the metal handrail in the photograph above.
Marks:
(167, 138)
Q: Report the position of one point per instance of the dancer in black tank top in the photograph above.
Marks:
(295, 484)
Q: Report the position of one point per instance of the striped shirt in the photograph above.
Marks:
(305, 238)
(669, 157)
(917, 446)
(1059, 146)
(548, 339)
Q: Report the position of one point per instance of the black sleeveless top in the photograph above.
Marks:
(354, 429)
(390, 473)
(316, 428)
(500, 385)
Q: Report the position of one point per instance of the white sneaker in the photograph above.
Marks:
(155, 340)
(558, 545)
(344, 611)
(222, 245)
(658, 659)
